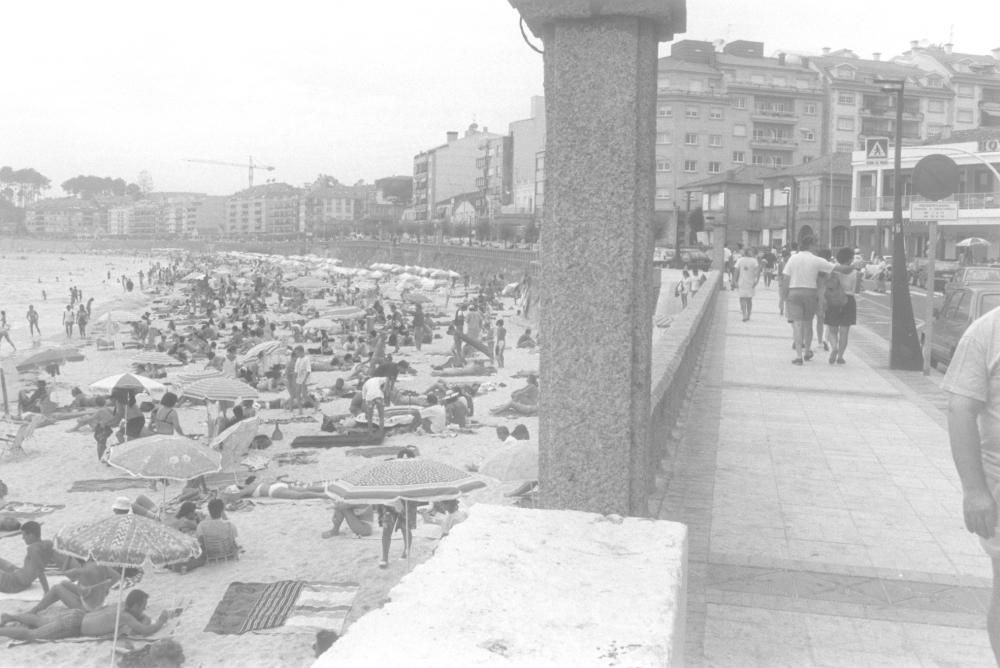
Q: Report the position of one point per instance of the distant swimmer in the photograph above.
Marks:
(45, 296)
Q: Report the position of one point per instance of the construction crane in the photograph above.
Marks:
(250, 166)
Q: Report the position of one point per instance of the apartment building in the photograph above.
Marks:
(265, 210)
(811, 199)
(447, 170)
(179, 213)
(65, 217)
(719, 110)
(528, 138)
(733, 202)
(328, 205)
(495, 165)
(859, 107)
(974, 79)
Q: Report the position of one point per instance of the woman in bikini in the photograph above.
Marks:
(164, 419)
(275, 489)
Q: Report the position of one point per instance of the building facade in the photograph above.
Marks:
(447, 170)
(978, 196)
(271, 209)
(528, 138)
(811, 199)
(733, 201)
(328, 206)
(66, 217)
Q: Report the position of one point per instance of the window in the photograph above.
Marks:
(779, 81)
(740, 130)
(690, 138)
(663, 83)
(934, 130)
(934, 81)
(691, 112)
(810, 108)
(808, 135)
(663, 193)
(964, 116)
(845, 98)
(845, 146)
(757, 79)
(663, 165)
(740, 102)
(715, 114)
(845, 123)
(738, 157)
(714, 167)
(694, 86)
(966, 90)
(690, 166)
(715, 140)
(754, 203)
(845, 72)
(665, 111)
(935, 106)
(662, 137)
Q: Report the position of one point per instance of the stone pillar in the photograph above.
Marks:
(596, 291)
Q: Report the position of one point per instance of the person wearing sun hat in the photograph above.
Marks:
(143, 505)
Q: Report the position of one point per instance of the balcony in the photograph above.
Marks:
(773, 116)
(787, 88)
(675, 93)
(966, 201)
(776, 143)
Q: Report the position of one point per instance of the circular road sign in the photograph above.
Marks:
(935, 176)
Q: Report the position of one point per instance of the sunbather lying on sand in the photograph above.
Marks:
(275, 489)
(76, 623)
(90, 586)
(523, 401)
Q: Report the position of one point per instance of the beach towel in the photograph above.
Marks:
(375, 451)
(109, 484)
(250, 606)
(292, 458)
(320, 605)
(361, 437)
(28, 508)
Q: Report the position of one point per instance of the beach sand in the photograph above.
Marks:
(281, 537)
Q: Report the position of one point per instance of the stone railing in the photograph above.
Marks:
(674, 362)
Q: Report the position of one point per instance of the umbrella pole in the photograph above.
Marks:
(118, 616)
(407, 544)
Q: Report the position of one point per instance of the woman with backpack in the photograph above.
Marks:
(841, 308)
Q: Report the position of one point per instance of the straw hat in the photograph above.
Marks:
(122, 503)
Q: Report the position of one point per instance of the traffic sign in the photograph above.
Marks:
(876, 149)
(933, 211)
(935, 176)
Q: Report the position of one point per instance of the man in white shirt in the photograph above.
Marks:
(303, 368)
(803, 271)
(373, 396)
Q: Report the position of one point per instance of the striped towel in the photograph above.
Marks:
(321, 605)
(273, 606)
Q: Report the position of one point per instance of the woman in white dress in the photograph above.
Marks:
(747, 274)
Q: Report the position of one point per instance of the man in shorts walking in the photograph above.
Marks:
(973, 387)
(803, 271)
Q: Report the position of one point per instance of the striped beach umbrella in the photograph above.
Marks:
(188, 377)
(393, 480)
(157, 358)
(129, 382)
(219, 388)
(49, 357)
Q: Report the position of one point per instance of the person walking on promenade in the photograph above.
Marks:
(841, 317)
(973, 387)
(747, 270)
(827, 255)
(782, 282)
(683, 287)
(803, 270)
(82, 318)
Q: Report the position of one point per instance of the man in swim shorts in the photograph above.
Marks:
(67, 624)
(37, 554)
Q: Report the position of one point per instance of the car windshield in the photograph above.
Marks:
(982, 275)
(990, 302)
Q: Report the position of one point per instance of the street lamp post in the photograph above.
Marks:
(788, 214)
(904, 348)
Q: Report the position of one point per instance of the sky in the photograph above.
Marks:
(349, 89)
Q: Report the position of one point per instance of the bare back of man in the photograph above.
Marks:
(102, 622)
(87, 591)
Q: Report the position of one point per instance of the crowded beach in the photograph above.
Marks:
(239, 454)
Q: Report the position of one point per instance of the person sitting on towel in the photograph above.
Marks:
(523, 401)
(86, 589)
(525, 340)
(14, 579)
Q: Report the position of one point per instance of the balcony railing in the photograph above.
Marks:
(774, 116)
(784, 143)
(971, 201)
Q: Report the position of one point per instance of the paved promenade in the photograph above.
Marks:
(824, 509)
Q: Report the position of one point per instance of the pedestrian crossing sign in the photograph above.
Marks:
(876, 149)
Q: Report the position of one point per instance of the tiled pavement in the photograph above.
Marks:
(824, 510)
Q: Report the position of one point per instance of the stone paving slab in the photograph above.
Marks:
(823, 508)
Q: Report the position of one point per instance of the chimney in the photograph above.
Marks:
(781, 59)
(948, 47)
(452, 136)
(914, 44)
(876, 56)
(826, 51)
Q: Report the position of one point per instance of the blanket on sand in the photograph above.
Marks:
(109, 484)
(292, 604)
(29, 508)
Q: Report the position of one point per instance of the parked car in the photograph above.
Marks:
(943, 272)
(973, 274)
(962, 305)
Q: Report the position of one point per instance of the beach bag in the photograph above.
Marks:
(834, 294)
(276, 435)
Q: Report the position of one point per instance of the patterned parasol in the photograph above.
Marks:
(157, 358)
(130, 382)
(266, 347)
(49, 357)
(219, 388)
(394, 480)
(189, 377)
(165, 456)
(320, 323)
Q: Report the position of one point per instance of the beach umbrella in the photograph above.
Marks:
(46, 358)
(345, 313)
(320, 323)
(308, 283)
(157, 358)
(193, 277)
(972, 241)
(233, 443)
(416, 298)
(129, 382)
(439, 273)
(517, 461)
(119, 315)
(266, 347)
(126, 541)
(188, 377)
(165, 456)
(220, 388)
(393, 480)
(454, 274)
